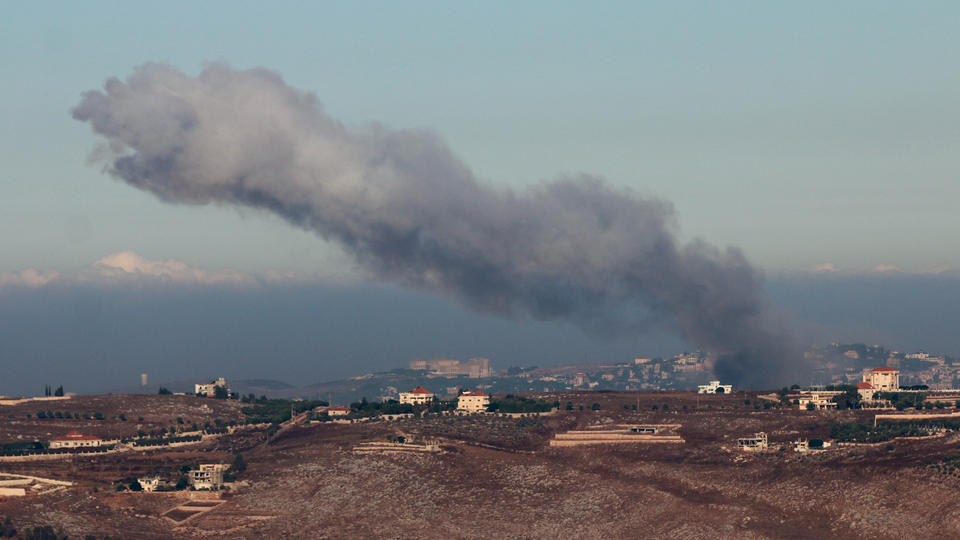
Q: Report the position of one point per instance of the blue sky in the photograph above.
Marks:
(805, 133)
(810, 134)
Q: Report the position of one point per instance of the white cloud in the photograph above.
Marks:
(130, 264)
(27, 278)
(826, 267)
(884, 268)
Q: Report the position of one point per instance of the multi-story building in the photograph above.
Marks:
(475, 368)
(419, 396)
(208, 476)
(210, 390)
(473, 401)
(884, 379)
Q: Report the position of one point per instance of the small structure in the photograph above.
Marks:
(338, 411)
(652, 430)
(715, 388)
(473, 401)
(866, 391)
(757, 443)
(75, 439)
(208, 476)
(210, 390)
(817, 401)
(149, 483)
(419, 396)
(884, 379)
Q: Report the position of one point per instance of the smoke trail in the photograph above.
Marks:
(412, 213)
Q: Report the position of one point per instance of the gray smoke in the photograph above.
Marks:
(411, 212)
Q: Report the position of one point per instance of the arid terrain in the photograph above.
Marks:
(496, 476)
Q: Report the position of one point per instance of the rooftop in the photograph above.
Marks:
(885, 368)
(421, 390)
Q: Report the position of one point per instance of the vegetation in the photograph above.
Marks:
(161, 441)
(519, 404)
(276, 411)
(886, 430)
(364, 408)
(163, 391)
(902, 400)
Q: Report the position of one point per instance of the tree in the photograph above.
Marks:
(569, 406)
(719, 390)
(239, 464)
(182, 483)
(163, 391)
(135, 485)
(59, 391)
(220, 392)
(595, 406)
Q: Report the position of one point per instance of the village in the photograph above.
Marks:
(205, 453)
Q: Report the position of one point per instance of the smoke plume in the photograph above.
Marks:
(411, 212)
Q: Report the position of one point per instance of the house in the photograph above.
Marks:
(715, 388)
(419, 396)
(816, 400)
(210, 390)
(865, 390)
(149, 483)
(883, 379)
(75, 439)
(338, 411)
(473, 401)
(757, 443)
(208, 476)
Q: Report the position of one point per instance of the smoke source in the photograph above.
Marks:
(411, 212)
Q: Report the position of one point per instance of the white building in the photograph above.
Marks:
(883, 379)
(210, 390)
(818, 400)
(208, 476)
(149, 483)
(473, 401)
(865, 390)
(757, 443)
(338, 411)
(419, 396)
(75, 439)
(715, 388)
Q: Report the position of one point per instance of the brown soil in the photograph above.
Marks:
(305, 481)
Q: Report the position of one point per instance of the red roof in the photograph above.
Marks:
(864, 386)
(473, 393)
(338, 409)
(76, 436)
(884, 368)
(421, 390)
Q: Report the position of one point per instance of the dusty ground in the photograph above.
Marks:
(497, 477)
(156, 411)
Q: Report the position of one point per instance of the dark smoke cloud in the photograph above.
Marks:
(411, 212)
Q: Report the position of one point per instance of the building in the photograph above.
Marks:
(883, 379)
(757, 443)
(338, 411)
(475, 368)
(210, 390)
(419, 396)
(75, 439)
(149, 483)
(208, 476)
(817, 400)
(865, 390)
(473, 401)
(715, 388)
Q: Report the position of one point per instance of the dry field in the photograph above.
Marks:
(498, 477)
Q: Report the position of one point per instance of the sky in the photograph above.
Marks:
(815, 136)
